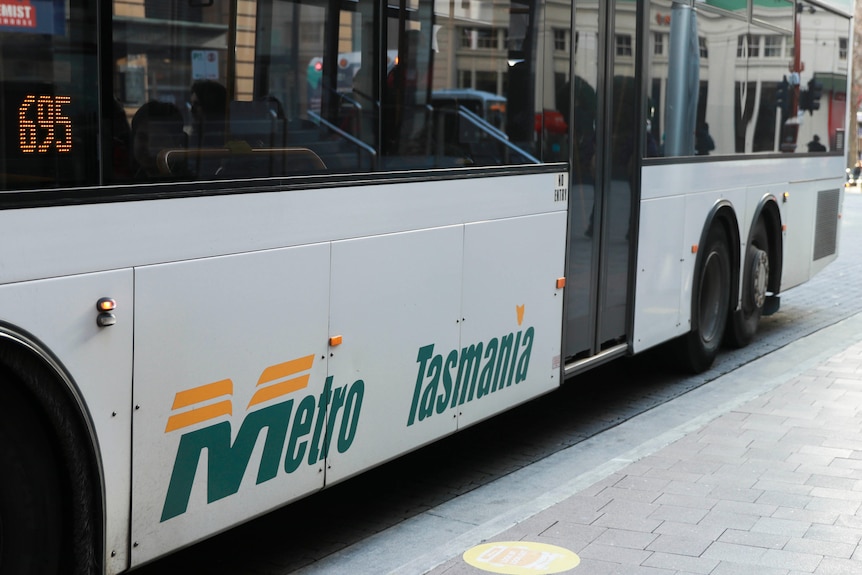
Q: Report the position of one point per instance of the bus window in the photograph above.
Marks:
(286, 88)
(723, 85)
(48, 95)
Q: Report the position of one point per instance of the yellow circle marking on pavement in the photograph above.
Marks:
(521, 558)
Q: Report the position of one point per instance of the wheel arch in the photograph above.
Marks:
(721, 214)
(42, 376)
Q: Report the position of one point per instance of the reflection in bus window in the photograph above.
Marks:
(283, 80)
(722, 83)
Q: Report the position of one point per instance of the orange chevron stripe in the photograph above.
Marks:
(198, 415)
(286, 369)
(202, 393)
(278, 389)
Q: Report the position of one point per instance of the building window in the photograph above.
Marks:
(577, 39)
(748, 45)
(466, 38)
(475, 38)
(753, 46)
(560, 39)
(842, 48)
(624, 44)
(701, 44)
(772, 46)
(658, 44)
(486, 38)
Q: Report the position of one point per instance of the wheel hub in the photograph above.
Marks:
(759, 277)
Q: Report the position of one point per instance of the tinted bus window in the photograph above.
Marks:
(722, 83)
(287, 88)
(48, 94)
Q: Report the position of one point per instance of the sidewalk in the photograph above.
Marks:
(759, 471)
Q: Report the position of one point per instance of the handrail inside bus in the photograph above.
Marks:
(317, 118)
(494, 132)
(482, 122)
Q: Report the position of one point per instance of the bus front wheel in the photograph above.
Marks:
(755, 279)
(31, 509)
(710, 303)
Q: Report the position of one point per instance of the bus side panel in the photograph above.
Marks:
(231, 391)
(805, 230)
(61, 314)
(396, 302)
(661, 255)
(512, 311)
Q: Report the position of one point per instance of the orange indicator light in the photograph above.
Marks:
(335, 340)
(561, 283)
(106, 304)
(694, 249)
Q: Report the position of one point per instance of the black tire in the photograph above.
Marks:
(755, 279)
(31, 507)
(710, 303)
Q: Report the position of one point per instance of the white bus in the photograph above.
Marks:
(217, 298)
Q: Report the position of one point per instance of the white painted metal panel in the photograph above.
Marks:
(658, 293)
(61, 314)
(230, 380)
(684, 178)
(177, 229)
(395, 299)
(798, 246)
(512, 312)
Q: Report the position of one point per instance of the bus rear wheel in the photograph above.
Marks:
(31, 508)
(755, 279)
(710, 304)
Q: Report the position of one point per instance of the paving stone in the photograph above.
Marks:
(680, 545)
(619, 555)
(833, 533)
(787, 527)
(731, 568)
(734, 552)
(820, 547)
(832, 566)
(679, 514)
(681, 563)
(689, 530)
(754, 539)
(624, 538)
(790, 560)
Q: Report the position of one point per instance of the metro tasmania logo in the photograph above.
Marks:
(318, 423)
(443, 384)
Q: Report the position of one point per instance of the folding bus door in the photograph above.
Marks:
(603, 199)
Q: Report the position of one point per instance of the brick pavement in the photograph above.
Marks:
(759, 471)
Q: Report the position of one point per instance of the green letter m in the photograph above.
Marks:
(226, 463)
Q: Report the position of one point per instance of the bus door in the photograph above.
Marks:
(604, 156)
